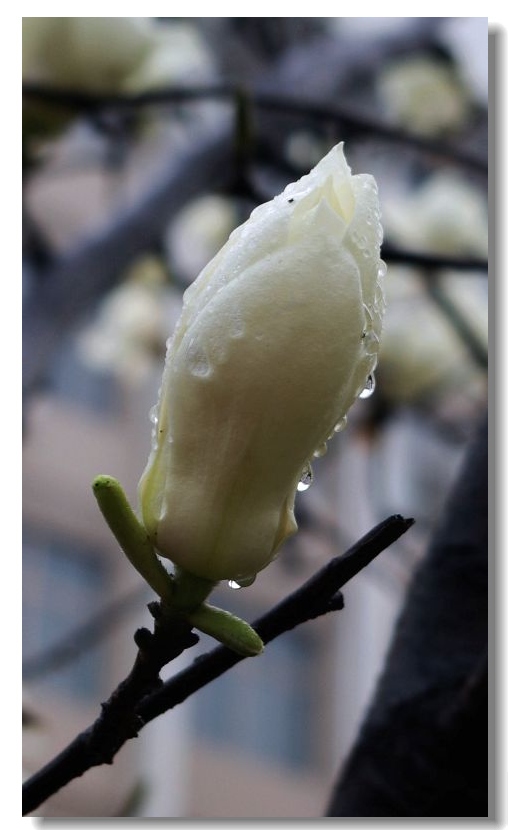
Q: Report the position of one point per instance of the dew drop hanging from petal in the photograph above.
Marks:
(340, 425)
(154, 420)
(306, 479)
(369, 387)
(321, 450)
(235, 584)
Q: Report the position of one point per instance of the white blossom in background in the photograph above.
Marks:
(422, 355)
(370, 28)
(445, 215)
(128, 334)
(178, 54)
(112, 54)
(109, 55)
(93, 54)
(423, 95)
(278, 336)
(196, 234)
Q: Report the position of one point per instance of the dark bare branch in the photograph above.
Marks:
(141, 696)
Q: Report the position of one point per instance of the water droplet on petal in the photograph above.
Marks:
(245, 581)
(237, 328)
(198, 362)
(201, 367)
(220, 283)
(368, 313)
(340, 425)
(370, 184)
(321, 450)
(370, 342)
(358, 240)
(154, 420)
(306, 479)
(370, 385)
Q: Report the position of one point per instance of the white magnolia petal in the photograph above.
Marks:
(277, 338)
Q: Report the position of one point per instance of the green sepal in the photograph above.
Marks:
(232, 631)
(183, 593)
(131, 535)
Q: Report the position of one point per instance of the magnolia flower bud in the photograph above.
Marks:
(277, 337)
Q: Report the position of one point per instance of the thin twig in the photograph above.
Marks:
(141, 697)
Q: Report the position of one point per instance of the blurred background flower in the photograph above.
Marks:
(423, 95)
(444, 214)
(128, 334)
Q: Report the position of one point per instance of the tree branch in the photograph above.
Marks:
(434, 262)
(263, 99)
(316, 597)
(463, 328)
(118, 721)
(141, 697)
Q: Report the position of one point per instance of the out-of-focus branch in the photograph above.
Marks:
(138, 699)
(433, 262)
(461, 325)
(278, 103)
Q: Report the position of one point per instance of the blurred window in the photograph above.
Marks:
(62, 586)
(264, 706)
(71, 379)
